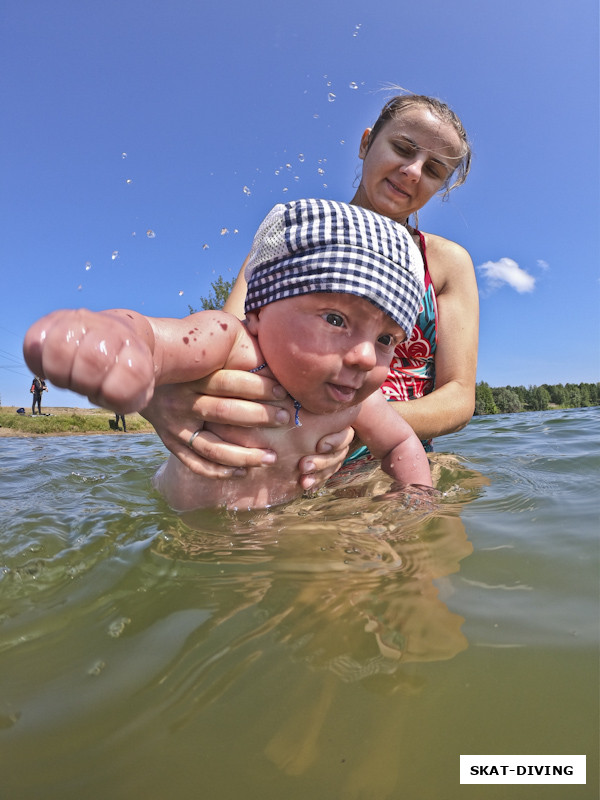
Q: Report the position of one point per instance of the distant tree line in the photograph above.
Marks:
(509, 399)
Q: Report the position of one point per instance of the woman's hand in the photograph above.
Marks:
(177, 411)
(331, 452)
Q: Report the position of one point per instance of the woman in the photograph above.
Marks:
(416, 148)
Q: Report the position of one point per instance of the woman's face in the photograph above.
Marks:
(409, 160)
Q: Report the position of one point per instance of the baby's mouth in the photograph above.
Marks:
(342, 393)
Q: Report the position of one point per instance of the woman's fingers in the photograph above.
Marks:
(211, 457)
(318, 468)
(243, 413)
(237, 383)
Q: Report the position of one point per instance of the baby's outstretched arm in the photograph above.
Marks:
(116, 357)
(392, 440)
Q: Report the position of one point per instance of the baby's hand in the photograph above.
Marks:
(96, 354)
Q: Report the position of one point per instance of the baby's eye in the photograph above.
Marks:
(335, 319)
(386, 340)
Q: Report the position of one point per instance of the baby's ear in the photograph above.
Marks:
(253, 322)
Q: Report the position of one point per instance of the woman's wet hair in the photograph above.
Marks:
(402, 102)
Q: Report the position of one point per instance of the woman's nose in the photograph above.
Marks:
(412, 169)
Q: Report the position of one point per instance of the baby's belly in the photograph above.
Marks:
(262, 487)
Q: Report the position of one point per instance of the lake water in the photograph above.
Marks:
(350, 645)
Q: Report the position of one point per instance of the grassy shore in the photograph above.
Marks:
(61, 421)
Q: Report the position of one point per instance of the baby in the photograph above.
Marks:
(332, 289)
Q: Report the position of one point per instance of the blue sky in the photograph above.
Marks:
(143, 142)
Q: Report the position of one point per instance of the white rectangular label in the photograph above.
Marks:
(522, 769)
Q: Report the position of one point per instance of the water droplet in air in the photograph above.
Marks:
(235, 230)
(150, 234)
(115, 255)
(300, 156)
(288, 166)
(342, 141)
(276, 172)
(224, 231)
(246, 190)
(180, 293)
(353, 85)
(128, 180)
(205, 247)
(321, 171)
(123, 155)
(331, 97)
(79, 288)
(88, 266)
(315, 116)
(285, 189)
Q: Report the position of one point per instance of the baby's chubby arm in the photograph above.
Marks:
(392, 440)
(117, 357)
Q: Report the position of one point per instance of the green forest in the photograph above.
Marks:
(510, 399)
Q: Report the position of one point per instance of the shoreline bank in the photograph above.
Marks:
(66, 421)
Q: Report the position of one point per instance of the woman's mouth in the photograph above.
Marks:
(397, 189)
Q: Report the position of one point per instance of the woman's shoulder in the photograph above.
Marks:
(446, 259)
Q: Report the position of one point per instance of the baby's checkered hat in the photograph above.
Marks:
(323, 246)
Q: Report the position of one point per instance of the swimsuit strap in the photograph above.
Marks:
(297, 405)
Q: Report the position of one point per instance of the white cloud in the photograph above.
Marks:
(543, 264)
(507, 271)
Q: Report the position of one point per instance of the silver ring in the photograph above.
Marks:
(192, 437)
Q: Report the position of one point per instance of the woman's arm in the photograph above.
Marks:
(450, 406)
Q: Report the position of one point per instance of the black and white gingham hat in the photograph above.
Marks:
(323, 246)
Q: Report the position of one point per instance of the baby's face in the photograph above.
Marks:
(329, 351)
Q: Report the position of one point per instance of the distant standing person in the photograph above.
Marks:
(122, 417)
(37, 387)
